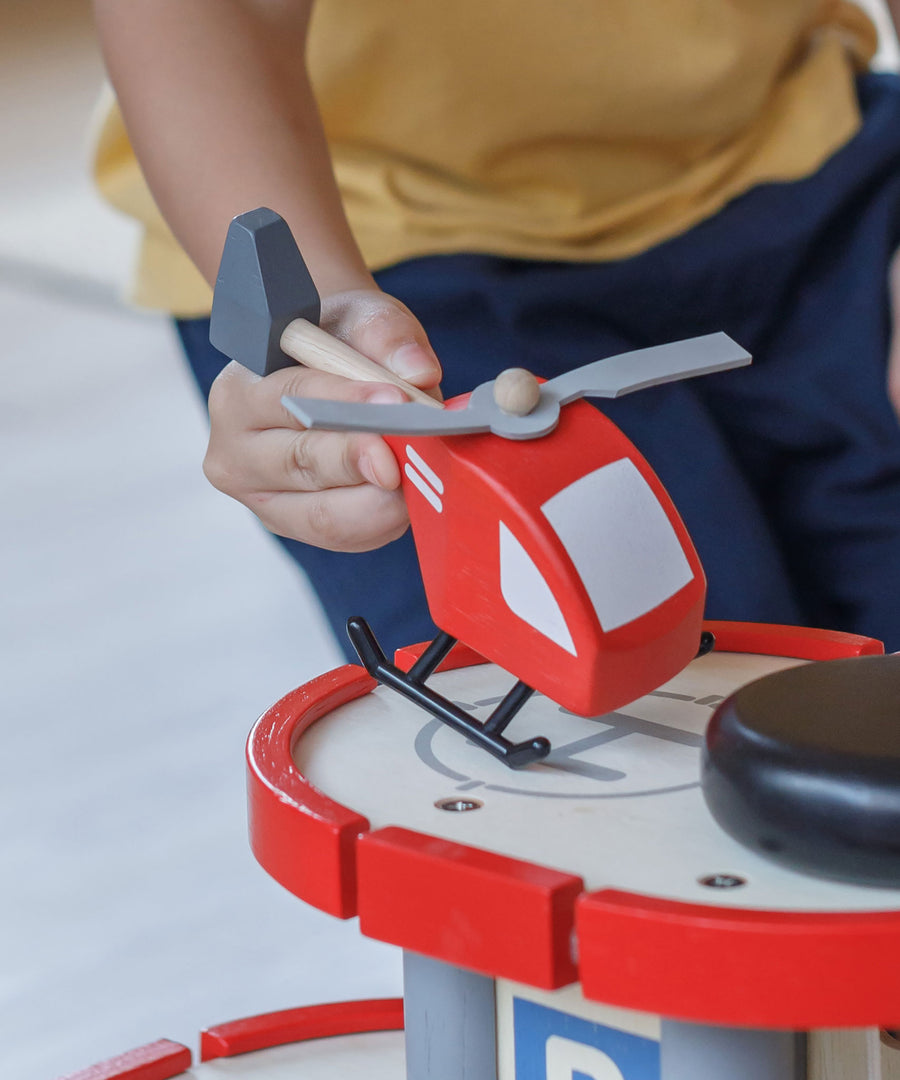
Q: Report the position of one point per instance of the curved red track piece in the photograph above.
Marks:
(298, 1025)
(159, 1060)
(305, 840)
(764, 969)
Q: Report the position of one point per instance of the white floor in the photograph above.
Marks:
(145, 621)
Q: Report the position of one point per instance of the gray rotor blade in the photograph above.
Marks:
(405, 419)
(618, 375)
(611, 378)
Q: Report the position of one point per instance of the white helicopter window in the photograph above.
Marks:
(621, 542)
(527, 594)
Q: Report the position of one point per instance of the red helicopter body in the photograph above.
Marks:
(549, 546)
(561, 559)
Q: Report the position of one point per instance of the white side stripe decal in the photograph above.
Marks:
(419, 481)
(426, 470)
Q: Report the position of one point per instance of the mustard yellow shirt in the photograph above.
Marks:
(545, 129)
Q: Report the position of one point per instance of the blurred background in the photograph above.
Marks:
(146, 622)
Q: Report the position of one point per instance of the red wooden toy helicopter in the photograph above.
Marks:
(546, 542)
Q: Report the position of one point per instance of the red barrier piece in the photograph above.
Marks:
(460, 656)
(299, 1025)
(490, 913)
(761, 639)
(159, 1060)
(305, 840)
(800, 642)
(767, 969)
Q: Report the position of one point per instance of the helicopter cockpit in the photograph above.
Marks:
(621, 543)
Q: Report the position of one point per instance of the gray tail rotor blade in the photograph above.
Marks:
(622, 374)
(404, 419)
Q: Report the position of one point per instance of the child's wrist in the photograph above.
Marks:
(333, 279)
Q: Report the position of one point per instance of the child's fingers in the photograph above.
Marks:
(384, 329)
(282, 460)
(258, 404)
(329, 489)
(339, 519)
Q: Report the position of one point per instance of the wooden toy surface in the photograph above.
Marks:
(618, 801)
(599, 865)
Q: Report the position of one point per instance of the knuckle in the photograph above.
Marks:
(317, 384)
(320, 460)
(349, 455)
(294, 382)
(229, 384)
(382, 326)
(302, 463)
(215, 472)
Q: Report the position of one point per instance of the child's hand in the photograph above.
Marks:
(325, 488)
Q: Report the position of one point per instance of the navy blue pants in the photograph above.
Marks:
(787, 473)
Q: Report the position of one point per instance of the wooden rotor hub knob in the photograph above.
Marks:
(517, 391)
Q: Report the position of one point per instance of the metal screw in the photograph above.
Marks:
(722, 881)
(458, 804)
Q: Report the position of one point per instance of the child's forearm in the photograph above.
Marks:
(222, 117)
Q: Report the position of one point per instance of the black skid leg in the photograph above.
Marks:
(507, 708)
(411, 685)
(431, 658)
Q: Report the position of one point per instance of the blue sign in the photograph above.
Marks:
(553, 1045)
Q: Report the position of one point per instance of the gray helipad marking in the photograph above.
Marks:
(427, 756)
(562, 759)
(592, 795)
(625, 724)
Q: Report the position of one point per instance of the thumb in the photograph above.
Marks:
(385, 330)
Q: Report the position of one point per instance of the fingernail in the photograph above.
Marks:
(386, 396)
(411, 361)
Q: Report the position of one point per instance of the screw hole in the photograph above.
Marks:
(722, 881)
(458, 805)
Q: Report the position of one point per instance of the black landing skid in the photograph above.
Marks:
(487, 734)
(707, 643)
(411, 684)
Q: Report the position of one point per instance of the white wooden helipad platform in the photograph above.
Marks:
(618, 801)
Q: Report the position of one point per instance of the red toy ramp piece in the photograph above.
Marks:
(159, 1060)
(472, 908)
(460, 656)
(803, 643)
(298, 1025)
(744, 968)
(760, 639)
(303, 839)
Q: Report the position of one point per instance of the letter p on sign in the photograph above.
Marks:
(570, 1060)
